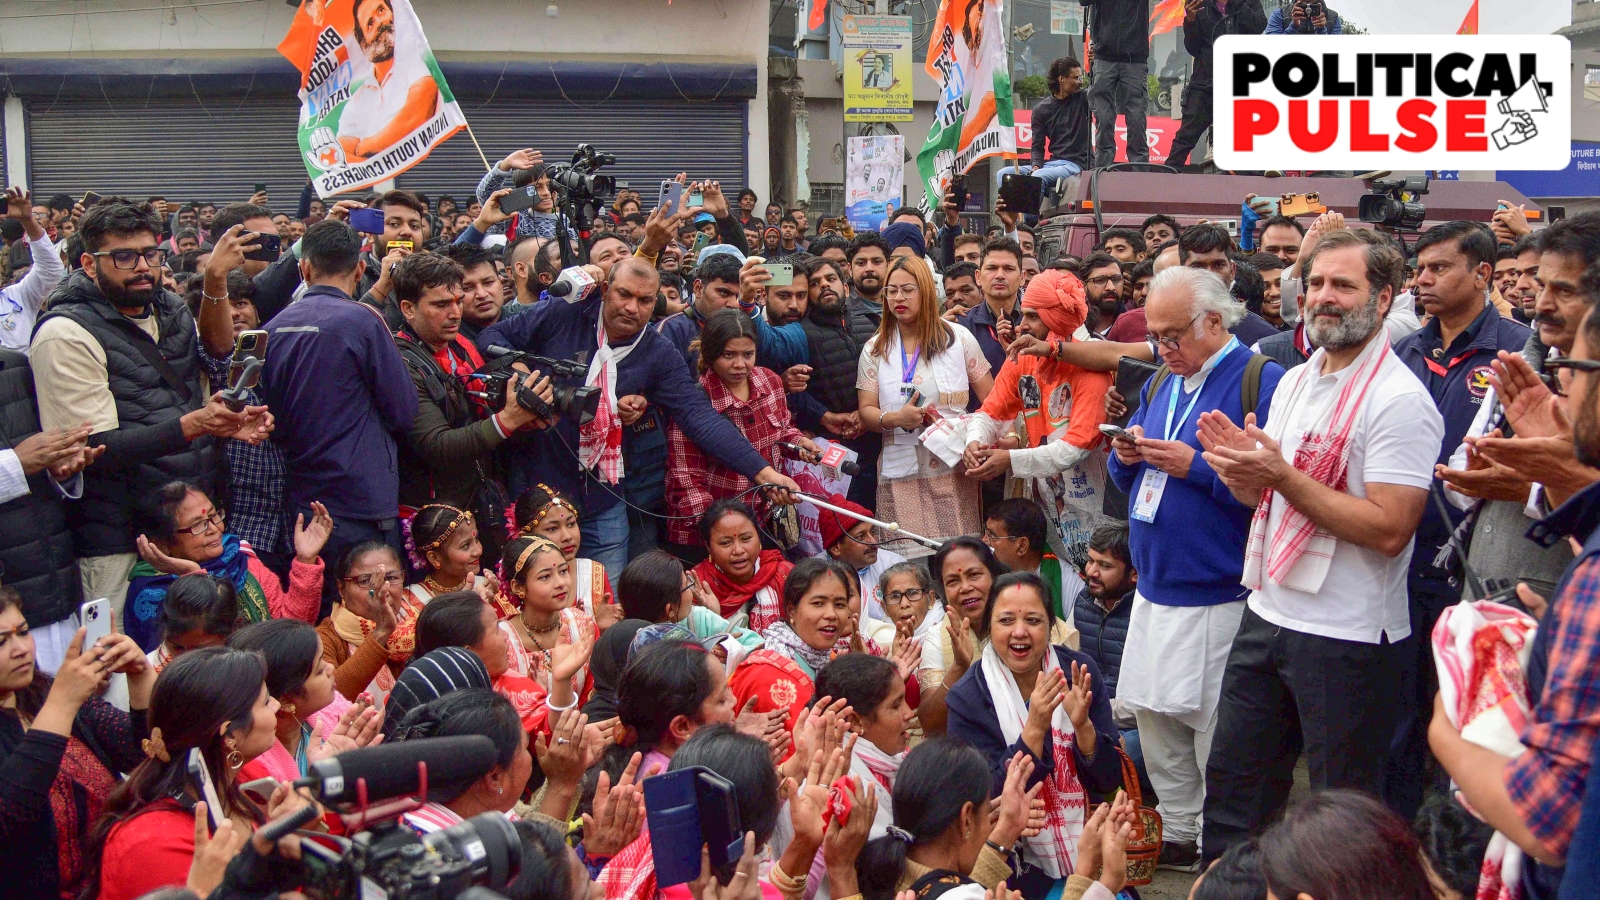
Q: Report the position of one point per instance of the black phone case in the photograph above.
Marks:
(519, 200)
(1022, 193)
(1131, 377)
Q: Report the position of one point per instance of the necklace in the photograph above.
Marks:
(436, 588)
(544, 630)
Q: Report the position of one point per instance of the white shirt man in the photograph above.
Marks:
(1343, 467)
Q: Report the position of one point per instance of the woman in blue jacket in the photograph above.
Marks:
(1048, 702)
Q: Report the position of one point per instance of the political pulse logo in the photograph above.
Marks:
(1367, 102)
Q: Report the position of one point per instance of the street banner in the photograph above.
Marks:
(877, 68)
(373, 102)
(874, 180)
(1066, 17)
(973, 120)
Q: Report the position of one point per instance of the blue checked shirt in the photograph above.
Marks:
(256, 476)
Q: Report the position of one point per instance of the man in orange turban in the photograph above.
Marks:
(1062, 406)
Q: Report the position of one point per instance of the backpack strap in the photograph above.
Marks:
(1250, 386)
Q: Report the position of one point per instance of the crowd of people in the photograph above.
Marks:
(463, 473)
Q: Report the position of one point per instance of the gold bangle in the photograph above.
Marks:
(785, 883)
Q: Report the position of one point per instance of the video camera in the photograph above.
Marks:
(1393, 204)
(580, 178)
(578, 403)
(370, 789)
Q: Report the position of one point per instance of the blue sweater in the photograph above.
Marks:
(973, 721)
(654, 369)
(1193, 554)
(341, 393)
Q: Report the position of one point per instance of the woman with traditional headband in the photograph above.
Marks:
(443, 542)
(545, 511)
(538, 589)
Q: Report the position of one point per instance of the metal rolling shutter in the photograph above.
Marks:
(653, 140)
(179, 147)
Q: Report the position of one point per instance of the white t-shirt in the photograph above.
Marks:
(1395, 440)
(375, 104)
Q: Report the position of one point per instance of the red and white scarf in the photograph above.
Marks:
(600, 441)
(1324, 455)
(1481, 652)
(1055, 848)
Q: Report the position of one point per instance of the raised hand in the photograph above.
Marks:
(1532, 409)
(844, 838)
(562, 754)
(565, 664)
(1089, 842)
(1048, 692)
(1078, 696)
(1484, 478)
(960, 631)
(487, 585)
(906, 654)
(744, 885)
(1016, 800)
(212, 852)
(309, 539)
(491, 214)
(359, 726)
(607, 612)
(48, 449)
(521, 159)
(618, 815)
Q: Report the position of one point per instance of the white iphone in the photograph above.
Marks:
(95, 616)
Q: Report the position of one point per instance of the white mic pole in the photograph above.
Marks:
(887, 526)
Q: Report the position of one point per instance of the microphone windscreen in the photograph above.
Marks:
(390, 770)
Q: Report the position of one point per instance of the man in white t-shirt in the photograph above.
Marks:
(399, 95)
(1339, 478)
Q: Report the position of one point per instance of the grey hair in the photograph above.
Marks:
(916, 570)
(1207, 293)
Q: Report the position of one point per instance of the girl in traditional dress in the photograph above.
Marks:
(545, 511)
(539, 588)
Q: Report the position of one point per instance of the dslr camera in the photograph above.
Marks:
(580, 179)
(575, 402)
(1394, 204)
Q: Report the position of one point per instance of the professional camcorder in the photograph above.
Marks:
(575, 402)
(370, 789)
(580, 178)
(1394, 204)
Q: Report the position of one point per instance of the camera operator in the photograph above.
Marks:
(446, 456)
(1305, 17)
(626, 359)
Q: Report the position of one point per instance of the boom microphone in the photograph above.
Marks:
(390, 770)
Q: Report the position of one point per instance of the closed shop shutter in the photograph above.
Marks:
(178, 147)
(652, 140)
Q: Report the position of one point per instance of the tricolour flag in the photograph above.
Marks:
(373, 102)
(973, 120)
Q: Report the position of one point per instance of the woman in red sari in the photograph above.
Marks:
(744, 577)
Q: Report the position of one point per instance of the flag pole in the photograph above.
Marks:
(475, 143)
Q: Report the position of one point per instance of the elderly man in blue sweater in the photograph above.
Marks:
(1189, 600)
(607, 332)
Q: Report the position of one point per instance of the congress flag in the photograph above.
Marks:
(373, 102)
(967, 57)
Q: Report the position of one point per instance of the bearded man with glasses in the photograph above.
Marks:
(117, 353)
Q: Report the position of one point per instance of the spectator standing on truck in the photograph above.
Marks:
(1060, 128)
(1305, 17)
(1120, 58)
(1203, 22)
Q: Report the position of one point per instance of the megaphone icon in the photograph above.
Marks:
(1528, 98)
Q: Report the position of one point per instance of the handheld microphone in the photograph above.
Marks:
(834, 462)
(572, 281)
(391, 770)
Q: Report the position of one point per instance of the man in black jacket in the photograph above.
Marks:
(119, 353)
(1120, 62)
(37, 469)
(835, 334)
(1203, 23)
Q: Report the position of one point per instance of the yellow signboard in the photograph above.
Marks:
(877, 68)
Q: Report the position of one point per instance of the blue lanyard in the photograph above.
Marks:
(1177, 386)
(908, 369)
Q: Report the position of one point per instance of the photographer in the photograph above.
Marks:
(1203, 22)
(627, 360)
(447, 456)
(1305, 17)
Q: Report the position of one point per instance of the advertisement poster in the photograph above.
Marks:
(1066, 17)
(373, 102)
(973, 121)
(874, 176)
(877, 68)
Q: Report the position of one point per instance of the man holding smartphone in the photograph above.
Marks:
(1305, 17)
